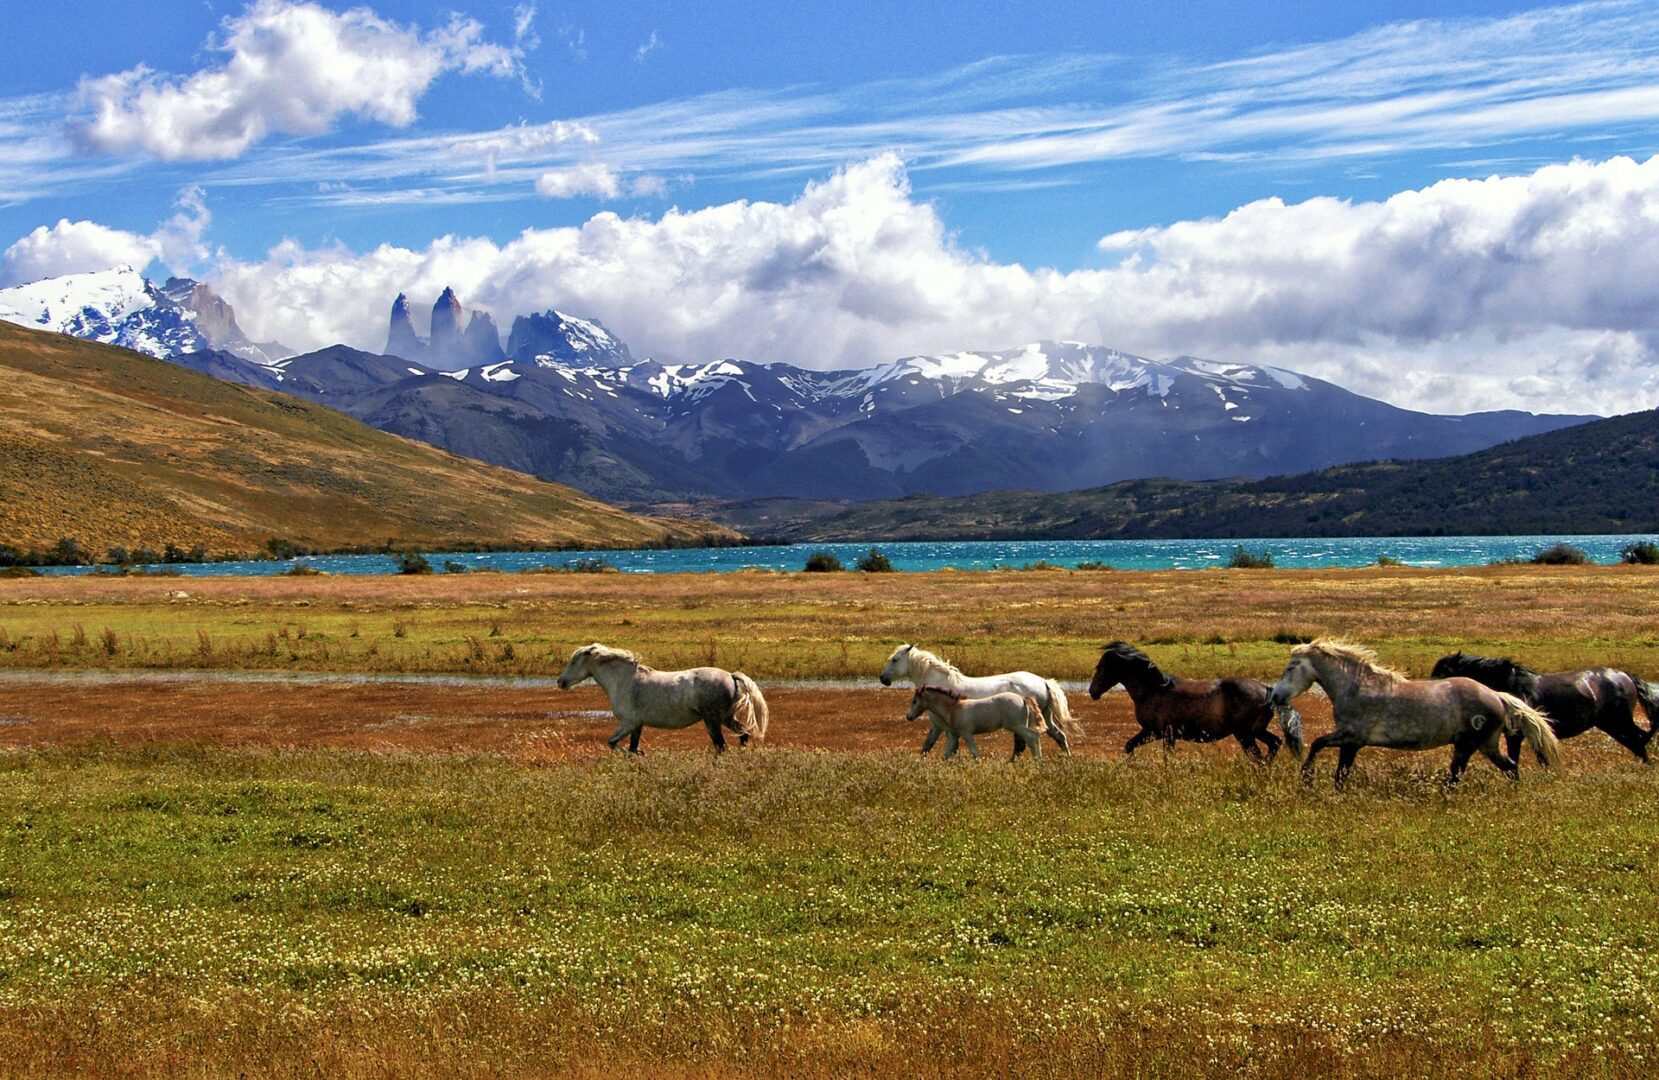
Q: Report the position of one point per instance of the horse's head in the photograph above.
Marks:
(1450, 666)
(580, 666)
(1300, 674)
(898, 666)
(929, 699)
(1121, 662)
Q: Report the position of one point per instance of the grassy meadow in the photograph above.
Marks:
(195, 908)
(810, 626)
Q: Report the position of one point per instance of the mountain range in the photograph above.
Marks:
(1596, 477)
(565, 400)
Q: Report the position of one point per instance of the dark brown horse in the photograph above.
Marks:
(1201, 710)
(1574, 701)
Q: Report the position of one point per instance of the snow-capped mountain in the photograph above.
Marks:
(121, 307)
(1046, 416)
(565, 400)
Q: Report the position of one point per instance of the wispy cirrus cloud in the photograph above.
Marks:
(1459, 85)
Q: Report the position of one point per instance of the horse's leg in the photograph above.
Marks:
(934, 730)
(1623, 730)
(1019, 745)
(952, 743)
(1249, 745)
(716, 736)
(1464, 747)
(626, 730)
(1135, 740)
(973, 747)
(1034, 742)
(1507, 765)
(1273, 743)
(1345, 763)
(1332, 739)
(1512, 746)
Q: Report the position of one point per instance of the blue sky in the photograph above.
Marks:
(843, 167)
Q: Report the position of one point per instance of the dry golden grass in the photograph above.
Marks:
(113, 448)
(836, 625)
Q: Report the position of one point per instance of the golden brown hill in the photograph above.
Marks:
(111, 447)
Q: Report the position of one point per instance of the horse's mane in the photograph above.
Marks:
(1501, 664)
(1358, 659)
(940, 690)
(1520, 679)
(600, 653)
(934, 660)
(1131, 657)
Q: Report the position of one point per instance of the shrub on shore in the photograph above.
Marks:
(1250, 560)
(822, 562)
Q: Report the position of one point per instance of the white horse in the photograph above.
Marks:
(966, 717)
(641, 697)
(1374, 706)
(923, 668)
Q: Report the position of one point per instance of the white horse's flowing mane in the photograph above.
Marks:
(1359, 660)
(599, 654)
(920, 657)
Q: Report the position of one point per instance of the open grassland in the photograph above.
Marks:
(793, 626)
(110, 447)
(185, 911)
(202, 875)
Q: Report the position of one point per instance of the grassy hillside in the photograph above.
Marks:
(1599, 477)
(110, 447)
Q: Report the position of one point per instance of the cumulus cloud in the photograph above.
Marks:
(292, 67)
(75, 247)
(1539, 291)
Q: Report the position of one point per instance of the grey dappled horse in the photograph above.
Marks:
(642, 697)
(1375, 706)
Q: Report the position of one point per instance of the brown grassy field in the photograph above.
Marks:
(110, 447)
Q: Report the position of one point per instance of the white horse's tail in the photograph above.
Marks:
(1291, 721)
(1534, 725)
(1059, 712)
(1034, 715)
(749, 713)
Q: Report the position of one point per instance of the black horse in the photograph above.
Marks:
(1202, 710)
(1574, 701)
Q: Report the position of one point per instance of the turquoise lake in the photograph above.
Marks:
(986, 555)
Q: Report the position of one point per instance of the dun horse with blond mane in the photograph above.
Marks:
(1375, 706)
(642, 697)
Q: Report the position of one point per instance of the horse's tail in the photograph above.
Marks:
(1534, 725)
(1034, 715)
(1648, 694)
(1059, 713)
(749, 712)
(1291, 721)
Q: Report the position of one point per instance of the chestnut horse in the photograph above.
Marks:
(1200, 710)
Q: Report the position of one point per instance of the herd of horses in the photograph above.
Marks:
(1469, 703)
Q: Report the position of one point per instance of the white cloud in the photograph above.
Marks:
(292, 67)
(652, 44)
(73, 247)
(1538, 291)
(1468, 86)
(593, 178)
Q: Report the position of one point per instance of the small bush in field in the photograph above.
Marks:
(875, 563)
(1249, 560)
(1640, 553)
(1561, 555)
